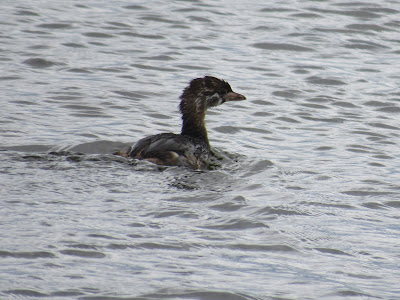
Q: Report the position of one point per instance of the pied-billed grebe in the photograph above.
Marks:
(191, 148)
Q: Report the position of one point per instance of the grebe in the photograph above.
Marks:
(191, 148)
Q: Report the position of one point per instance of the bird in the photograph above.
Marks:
(190, 148)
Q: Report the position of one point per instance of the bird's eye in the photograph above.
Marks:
(208, 93)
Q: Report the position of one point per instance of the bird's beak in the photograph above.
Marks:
(232, 96)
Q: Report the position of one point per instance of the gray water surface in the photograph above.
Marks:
(302, 202)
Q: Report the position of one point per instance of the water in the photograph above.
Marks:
(303, 203)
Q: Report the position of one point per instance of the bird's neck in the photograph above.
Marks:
(193, 125)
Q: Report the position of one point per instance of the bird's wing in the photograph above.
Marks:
(156, 145)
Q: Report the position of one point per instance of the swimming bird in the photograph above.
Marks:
(190, 148)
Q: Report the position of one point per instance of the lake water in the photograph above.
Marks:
(304, 201)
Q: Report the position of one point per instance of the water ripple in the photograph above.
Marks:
(301, 200)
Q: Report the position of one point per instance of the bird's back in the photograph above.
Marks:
(172, 150)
